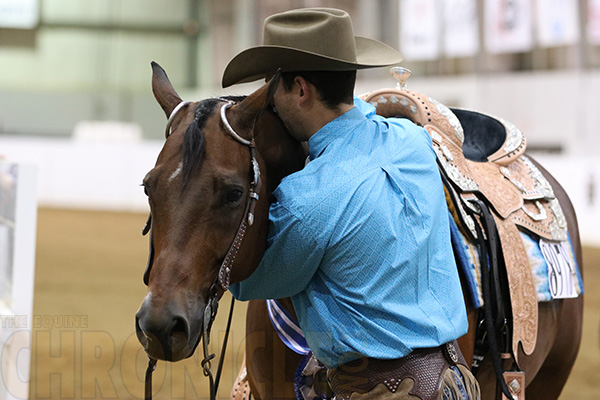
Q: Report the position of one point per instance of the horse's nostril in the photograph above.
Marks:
(168, 334)
(138, 328)
(180, 326)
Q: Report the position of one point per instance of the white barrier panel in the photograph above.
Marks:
(18, 216)
(102, 175)
(87, 174)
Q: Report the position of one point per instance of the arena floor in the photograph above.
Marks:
(89, 285)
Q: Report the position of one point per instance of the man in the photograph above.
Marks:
(359, 239)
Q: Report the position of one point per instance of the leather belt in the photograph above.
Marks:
(426, 367)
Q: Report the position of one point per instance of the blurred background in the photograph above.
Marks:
(79, 129)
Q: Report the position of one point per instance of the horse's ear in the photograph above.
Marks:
(273, 84)
(163, 91)
(252, 107)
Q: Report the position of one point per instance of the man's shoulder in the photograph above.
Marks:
(310, 188)
(300, 188)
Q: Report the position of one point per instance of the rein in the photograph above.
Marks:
(223, 279)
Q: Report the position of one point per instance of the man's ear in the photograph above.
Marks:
(307, 92)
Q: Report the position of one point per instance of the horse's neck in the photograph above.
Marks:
(287, 304)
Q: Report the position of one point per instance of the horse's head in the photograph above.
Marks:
(204, 190)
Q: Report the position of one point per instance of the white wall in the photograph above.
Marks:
(558, 108)
(16, 305)
(580, 177)
(99, 175)
(93, 174)
(105, 170)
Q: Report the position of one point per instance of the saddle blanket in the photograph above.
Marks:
(553, 266)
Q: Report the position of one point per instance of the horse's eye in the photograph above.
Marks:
(234, 196)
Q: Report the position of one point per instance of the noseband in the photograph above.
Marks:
(223, 279)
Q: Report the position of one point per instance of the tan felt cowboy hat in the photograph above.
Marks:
(308, 39)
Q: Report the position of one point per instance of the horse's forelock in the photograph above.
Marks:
(192, 149)
(193, 146)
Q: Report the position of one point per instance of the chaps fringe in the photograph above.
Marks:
(450, 387)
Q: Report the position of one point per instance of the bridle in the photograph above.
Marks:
(223, 280)
(224, 276)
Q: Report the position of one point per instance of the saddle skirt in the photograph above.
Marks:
(497, 172)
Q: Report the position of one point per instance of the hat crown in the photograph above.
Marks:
(309, 39)
(323, 31)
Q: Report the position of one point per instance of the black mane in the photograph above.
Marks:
(192, 149)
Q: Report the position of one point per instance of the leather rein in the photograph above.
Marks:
(223, 279)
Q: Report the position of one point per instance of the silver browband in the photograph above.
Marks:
(172, 116)
(228, 126)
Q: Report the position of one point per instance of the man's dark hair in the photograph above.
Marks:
(334, 87)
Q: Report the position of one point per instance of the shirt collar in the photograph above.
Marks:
(333, 130)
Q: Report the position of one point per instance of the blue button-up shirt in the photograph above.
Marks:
(359, 239)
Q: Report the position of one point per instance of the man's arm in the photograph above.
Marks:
(291, 259)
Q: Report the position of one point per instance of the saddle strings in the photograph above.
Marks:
(487, 254)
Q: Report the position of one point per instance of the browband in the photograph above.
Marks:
(172, 117)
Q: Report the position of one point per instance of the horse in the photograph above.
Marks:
(201, 179)
(209, 197)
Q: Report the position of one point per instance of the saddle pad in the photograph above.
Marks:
(467, 259)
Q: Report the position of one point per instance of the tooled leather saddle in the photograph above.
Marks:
(483, 159)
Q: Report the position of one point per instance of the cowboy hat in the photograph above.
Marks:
(308, 39)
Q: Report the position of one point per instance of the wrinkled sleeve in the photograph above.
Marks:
(290, 261)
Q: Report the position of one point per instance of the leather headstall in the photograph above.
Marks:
(224, 276)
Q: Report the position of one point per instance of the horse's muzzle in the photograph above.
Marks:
(166, 332)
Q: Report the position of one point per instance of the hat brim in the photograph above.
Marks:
(256, 62)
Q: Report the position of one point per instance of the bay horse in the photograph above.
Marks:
(206, 188)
